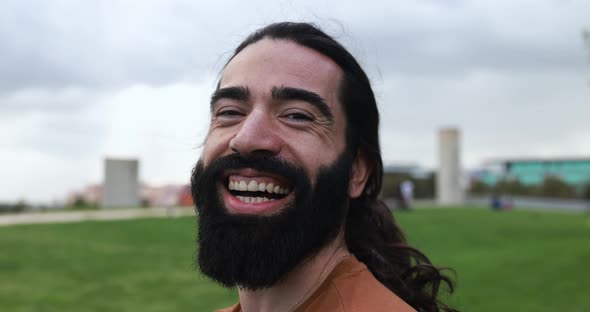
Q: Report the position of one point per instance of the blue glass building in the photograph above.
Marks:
(575, 172)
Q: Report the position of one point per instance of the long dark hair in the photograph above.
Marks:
(371, 233)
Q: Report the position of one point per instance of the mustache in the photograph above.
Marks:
(264, 163)
(205, 179)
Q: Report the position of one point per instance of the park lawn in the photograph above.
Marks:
(508, 261)
(505, 261)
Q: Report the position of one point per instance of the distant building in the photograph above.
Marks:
(163, 196)
(121, 186)
(168, 195)
(91, 194)
(186, 197)
(414, 171)
(574, 171)
(449, 178)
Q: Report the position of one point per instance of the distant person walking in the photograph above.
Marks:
(496, 201)
(407, 192)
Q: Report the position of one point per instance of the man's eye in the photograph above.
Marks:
(299, 117)
(229, 113)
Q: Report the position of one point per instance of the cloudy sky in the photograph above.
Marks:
(81, 80)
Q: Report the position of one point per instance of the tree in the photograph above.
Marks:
(423, 186)
(555, 187)
(477, 187)
(391, 183)
(514, 187)
(586, 194)
(80, 203)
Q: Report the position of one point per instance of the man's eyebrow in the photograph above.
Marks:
(234, 93)
(290, 93)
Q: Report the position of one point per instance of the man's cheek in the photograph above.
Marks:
(209, 153)
(217, 145)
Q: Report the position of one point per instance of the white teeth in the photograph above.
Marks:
(252, 200)
(252, 186)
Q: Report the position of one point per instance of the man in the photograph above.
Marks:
(286, 187)
(407, 194)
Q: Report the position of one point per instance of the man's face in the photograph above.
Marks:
(281, 99)
(272, 184)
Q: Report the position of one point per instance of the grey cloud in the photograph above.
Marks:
(111, 44)
(68, 101)
(59, 45)
(65, 123)
(440, 52)
(65, 136)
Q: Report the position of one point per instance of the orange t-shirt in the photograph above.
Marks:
(350, 287)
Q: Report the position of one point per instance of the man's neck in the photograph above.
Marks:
(299, 284)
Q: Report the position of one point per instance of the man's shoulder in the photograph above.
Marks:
(234, 308)
(352, 287)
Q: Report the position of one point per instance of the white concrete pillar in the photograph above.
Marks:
(449, 190)
(120, 186)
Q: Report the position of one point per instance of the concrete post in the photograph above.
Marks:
(120, 186)
(448, 182)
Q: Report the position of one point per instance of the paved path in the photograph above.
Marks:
(104, 214)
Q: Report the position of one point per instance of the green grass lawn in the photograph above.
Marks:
(507, 261)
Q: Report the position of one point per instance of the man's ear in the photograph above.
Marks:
(361, 168)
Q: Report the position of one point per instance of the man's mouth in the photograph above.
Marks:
(255, 192)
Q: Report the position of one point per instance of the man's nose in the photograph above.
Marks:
(257, 134)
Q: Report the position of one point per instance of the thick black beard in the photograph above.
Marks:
(255, 252)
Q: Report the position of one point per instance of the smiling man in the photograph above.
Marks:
(286, 187)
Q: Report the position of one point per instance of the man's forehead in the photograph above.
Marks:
(281, 62)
